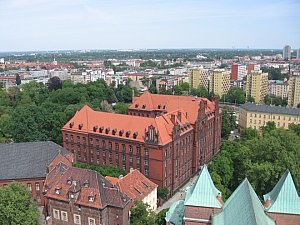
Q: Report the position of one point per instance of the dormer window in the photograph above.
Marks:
(114, 131)
(135, 134)
(128, 133)
(80, 126)
(70, 179)
(86, 183)
(71, 196)
(57, 192)
(95, 128)
(144, 106)
(107, 130)
(121, 132)
(159, 106)
(101, 129)
(91, 199)
(136, 105)
(71, 124)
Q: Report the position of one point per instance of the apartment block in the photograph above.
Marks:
(252, 66)
(255, 115)
(257, 85)
(198, 77)
(294, 90)
(238, 72)
(219, 82)
(278, 88)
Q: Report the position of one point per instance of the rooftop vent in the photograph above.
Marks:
(144, 106)
(159, 106)
(95, 128)
(71, 124)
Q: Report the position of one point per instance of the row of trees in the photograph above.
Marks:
(39, 112)
(261, 158)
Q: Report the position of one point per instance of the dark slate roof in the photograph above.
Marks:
(27, 160)
(249, 106)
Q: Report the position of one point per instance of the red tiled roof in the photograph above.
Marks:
(70, 184)
(171, 103)
(90, 119)
(135, 185)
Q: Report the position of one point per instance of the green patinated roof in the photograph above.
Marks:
(176, 213)
(284, 197)
(203, 192)
(243, 207)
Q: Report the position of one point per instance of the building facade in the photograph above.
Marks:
(294, 90)
(219, 82)
(255, 116)
(257, 85)
(287, 53)
(252, 66)
(238, 72)
(278, 88)
(78, 196)
(16, 164)
(165, 137)
(198, 77)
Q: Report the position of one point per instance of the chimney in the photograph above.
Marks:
(267, 203)
(131, 169)
(179, 116)
(173, 118)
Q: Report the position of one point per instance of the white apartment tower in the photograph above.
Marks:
(287, 53)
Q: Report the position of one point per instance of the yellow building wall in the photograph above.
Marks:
(294, 90)
(256, 120)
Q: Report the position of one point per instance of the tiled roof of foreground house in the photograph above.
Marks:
(135, 185)
(129, 127)
(284, 197)
(84, 187)
(242, 207)
(28, 159)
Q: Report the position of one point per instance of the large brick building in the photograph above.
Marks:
(165, 137)
(28, 163)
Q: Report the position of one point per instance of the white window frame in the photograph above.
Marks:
(62, 216)
(91, 219)
(75, 219)
(54, 215)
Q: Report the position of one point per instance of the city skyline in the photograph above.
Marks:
(138, 24)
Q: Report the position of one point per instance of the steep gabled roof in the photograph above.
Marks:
(203, 192)
(135, 185)
(27, 159)
(85, 120)
(243, 207)
(176, 213)
(170, 103)
(284, 197)
(87, 187)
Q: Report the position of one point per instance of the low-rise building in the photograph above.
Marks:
(28, 163)
(257, 115)
(80, 196)
(278, 88)
(137, 187)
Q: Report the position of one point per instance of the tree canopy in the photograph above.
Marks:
(261, 158)
(111, 171)
(17, 206)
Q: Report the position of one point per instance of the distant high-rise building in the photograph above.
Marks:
(198, 77)
(257, 85)
(238, 72)
(287, 53)
(294, 90)
(252, 66)
(219, 82)
(298, 53)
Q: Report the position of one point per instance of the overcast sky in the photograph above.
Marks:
(36, 25)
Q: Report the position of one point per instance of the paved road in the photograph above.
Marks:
(179, 195)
